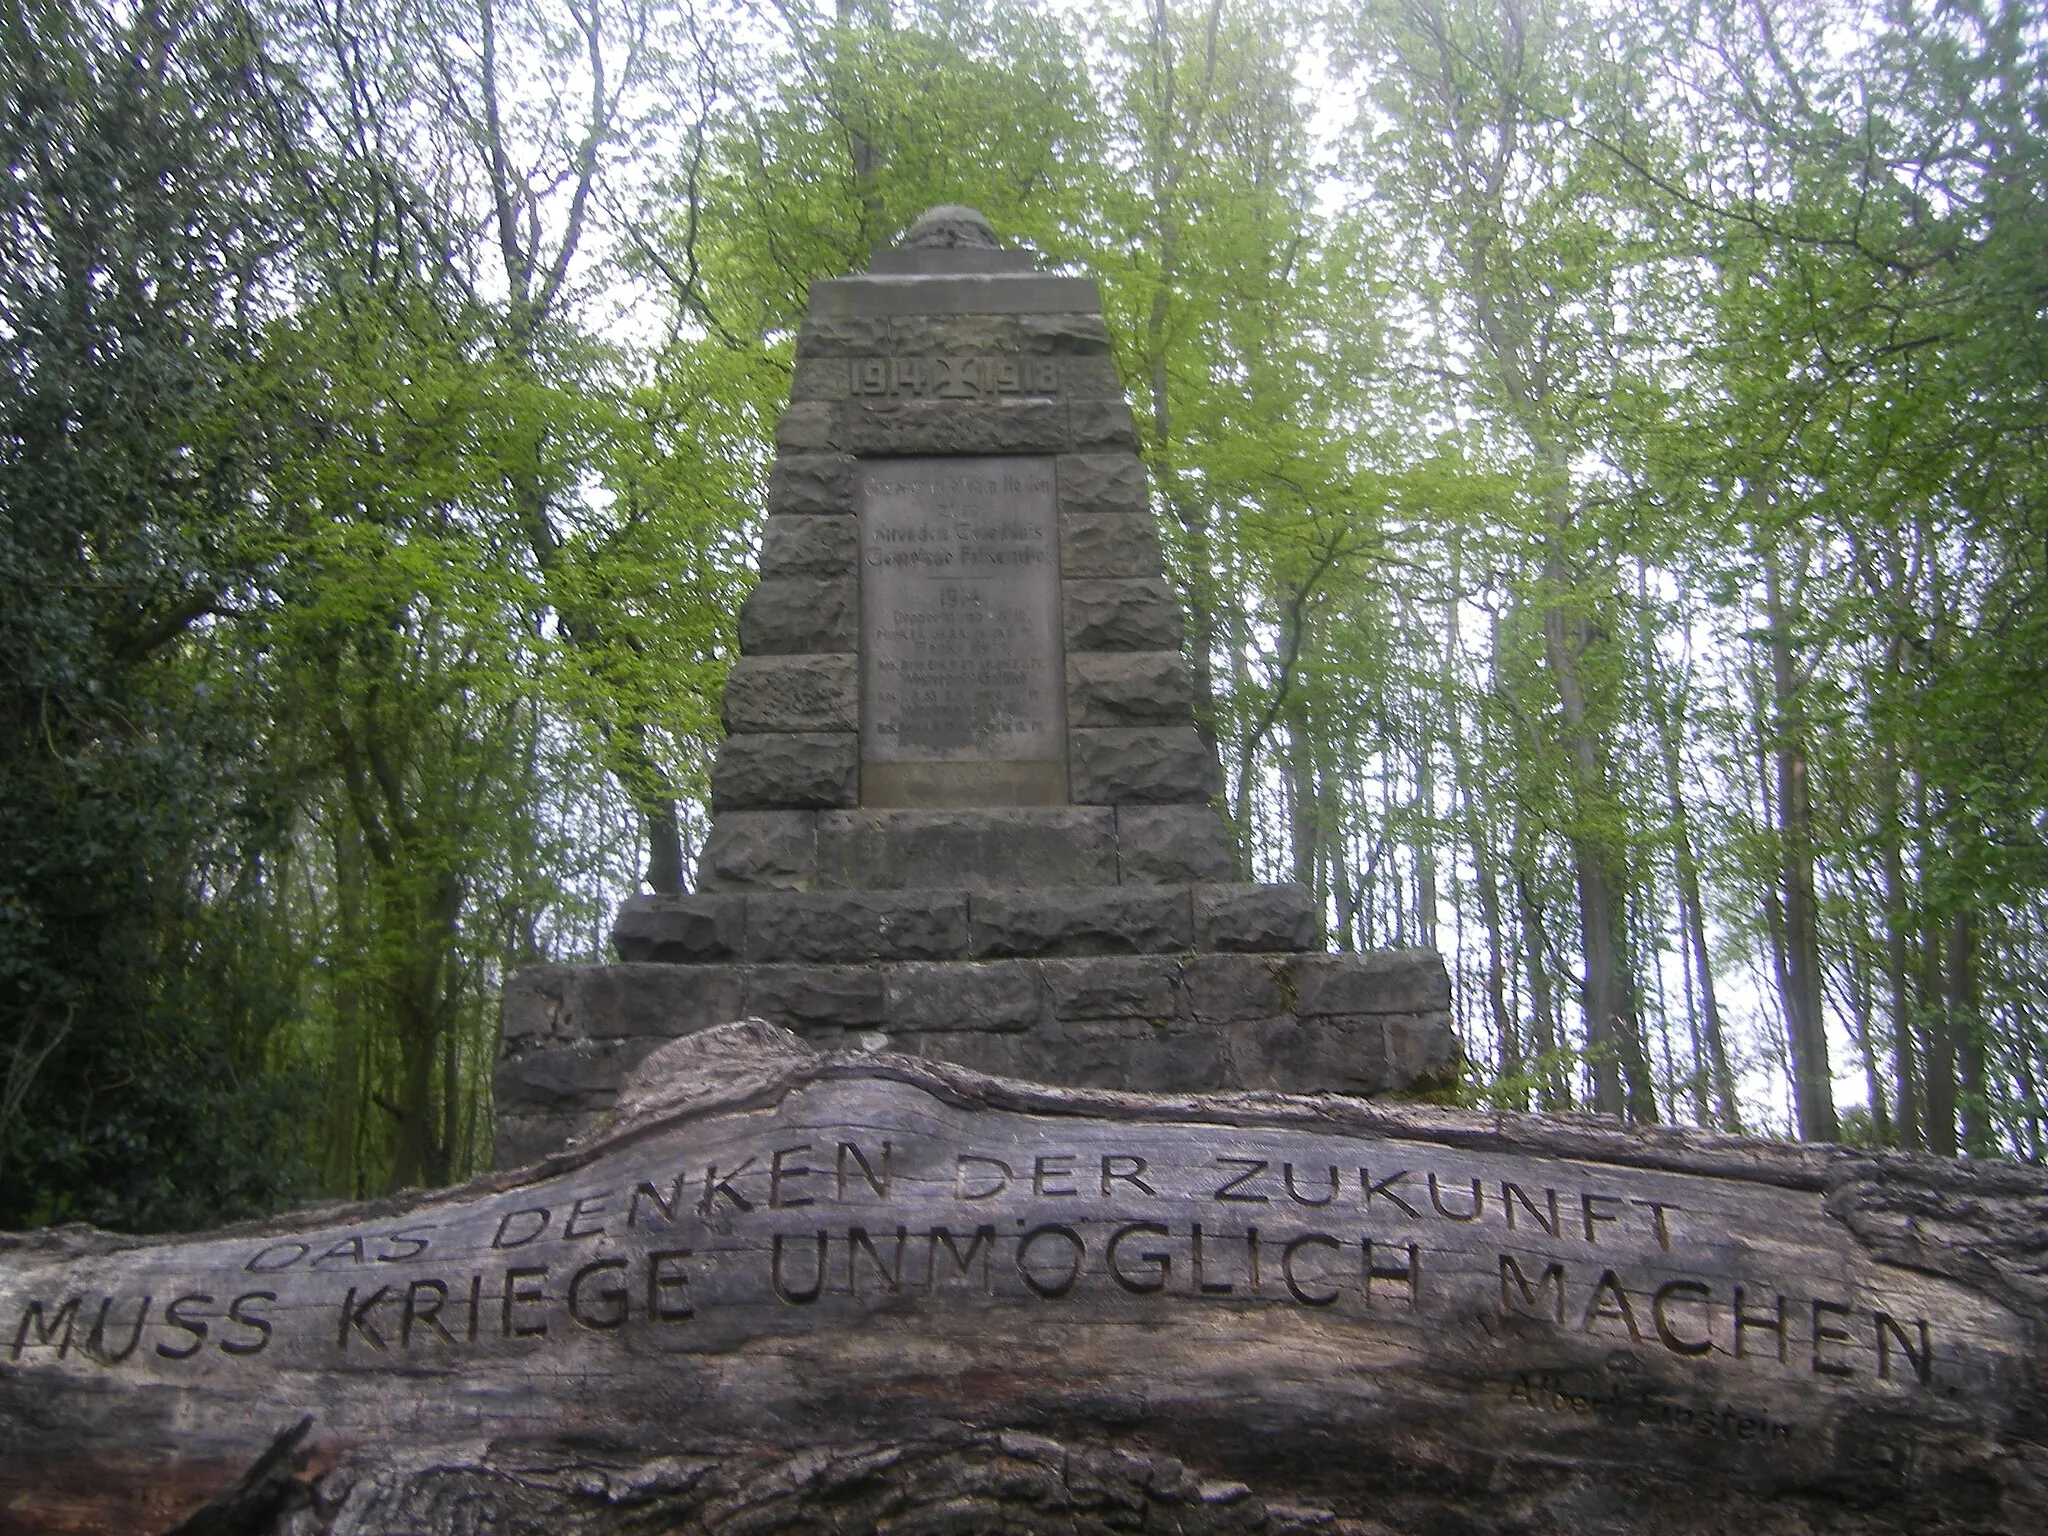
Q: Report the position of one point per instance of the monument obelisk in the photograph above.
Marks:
(964, 810)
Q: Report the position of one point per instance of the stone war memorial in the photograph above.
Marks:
(973, 1151)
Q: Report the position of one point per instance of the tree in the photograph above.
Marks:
(1474, 136)
(144, 221)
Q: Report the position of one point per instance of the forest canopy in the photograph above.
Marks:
(1602, 451)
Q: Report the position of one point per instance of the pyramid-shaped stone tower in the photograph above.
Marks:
(963, 810)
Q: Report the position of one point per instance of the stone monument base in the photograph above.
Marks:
(1161, 988)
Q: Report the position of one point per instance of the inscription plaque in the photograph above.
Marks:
(962, 666)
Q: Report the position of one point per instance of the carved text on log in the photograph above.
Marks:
(881, 1246)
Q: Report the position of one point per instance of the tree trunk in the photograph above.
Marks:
(1936, 1011)
(340, 1161)
(792, 1292)
(1554, 1092)
(1966, 1016)
(1863, 1016)
(1941, 1047)
(1897, 941)
(1813, 1092)
(421, 1155)
(1512, 1064)
(1691, 910)
(534, 285)
(1342, 887)
(863, 154)
(1614, 1041)
(1425, 845)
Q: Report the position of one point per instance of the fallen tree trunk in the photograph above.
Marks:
(793, 1291)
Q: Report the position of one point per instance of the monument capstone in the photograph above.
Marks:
(964, 810)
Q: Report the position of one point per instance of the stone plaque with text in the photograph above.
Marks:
(962, 672)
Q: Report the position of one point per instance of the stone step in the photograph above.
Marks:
(973, 849)
(1124, 765)
(1361, 1024)
(962, 924)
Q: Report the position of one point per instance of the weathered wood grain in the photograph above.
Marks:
(794, 1291)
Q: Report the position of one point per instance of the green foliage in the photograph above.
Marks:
(141, 219)
(841, 128)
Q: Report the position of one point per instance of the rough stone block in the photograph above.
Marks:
(1259, 918)
(583, 1074)
(786, 771)
(812, 545)
(857, 925)
(1329, 1055)
(1171, 845)
(680, 929)
(1175, 1060)
(1072, 330)
(808, 427)
(1422, 1051)
(1385, 981)
(1093, 425)
(965, 995)
(1028, 294)
(1138, 614)
(818, 377)
(1147, 764)
(1001, 1053)
(530, 1007)
(952, 426)
(523, 1139)
(784, 615)
(842, 996)
(1090, 1053)
(1114, 986)
(951, 335)
(793, 693)
(969, 849)
(1118, 545)
(608, 1002)
(1127, 688)
(760, 851)
(1226, 988)
(842, 335)
(1102, 483)
(1081, 920)
(811, 483)
(1091, 378)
